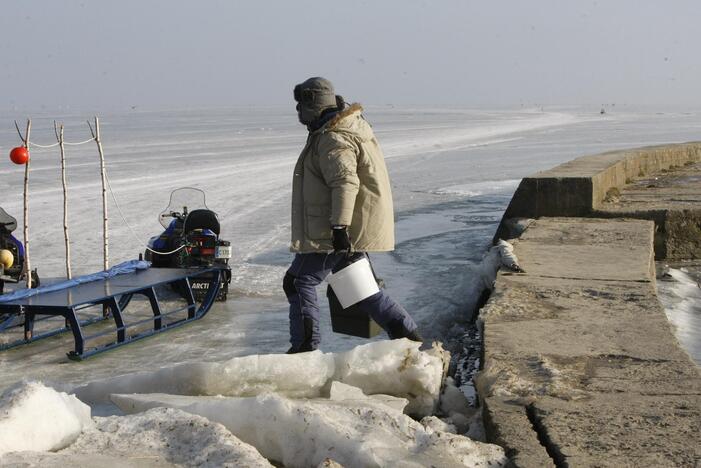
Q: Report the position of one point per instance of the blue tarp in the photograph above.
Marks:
(123, 268)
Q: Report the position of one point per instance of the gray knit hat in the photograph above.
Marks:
(313, 97)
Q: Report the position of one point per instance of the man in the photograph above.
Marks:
(341, 202)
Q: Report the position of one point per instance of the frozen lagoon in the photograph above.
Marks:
(453, 173)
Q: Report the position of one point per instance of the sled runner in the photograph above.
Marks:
(114, 294)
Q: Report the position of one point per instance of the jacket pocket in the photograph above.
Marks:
(318, 222)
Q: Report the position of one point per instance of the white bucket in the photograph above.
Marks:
(353, 283)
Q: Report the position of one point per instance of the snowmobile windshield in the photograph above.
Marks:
(182, 201)
(7, 222)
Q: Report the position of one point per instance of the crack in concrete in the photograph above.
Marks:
(551, 448)
(593, 279)
(633, 358)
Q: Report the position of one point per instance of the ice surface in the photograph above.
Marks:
(301, 433)
(680, 293)
(243, 158)
(452, 175)
(394, 368)
(478, 188)
(36, 417)
(423, 140)
(159, 437)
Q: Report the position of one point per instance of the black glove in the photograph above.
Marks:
(341, 241)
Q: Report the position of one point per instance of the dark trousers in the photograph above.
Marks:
(305, 274)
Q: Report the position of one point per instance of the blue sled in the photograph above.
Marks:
(114, 294)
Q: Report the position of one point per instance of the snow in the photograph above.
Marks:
(423, 140)
(306, 432)
(434, 423)
(159, 437)
(453, 400)
(300, 415)
(475, 189)
(452, 175)
(394, 367)
(35, 417)
(508, 257)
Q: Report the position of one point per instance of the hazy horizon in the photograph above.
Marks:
(102, 56)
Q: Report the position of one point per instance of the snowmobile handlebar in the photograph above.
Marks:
(174, 214)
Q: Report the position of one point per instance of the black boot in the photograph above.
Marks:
(414, 336)
(304, 348)
(306, 345)
(397, 330)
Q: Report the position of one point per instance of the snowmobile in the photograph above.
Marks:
(190, 240)
(12, 263)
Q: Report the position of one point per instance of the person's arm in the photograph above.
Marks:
(338, 162)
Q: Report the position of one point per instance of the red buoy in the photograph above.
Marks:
(19, 155)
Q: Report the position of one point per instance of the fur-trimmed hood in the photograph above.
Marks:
(354, 108)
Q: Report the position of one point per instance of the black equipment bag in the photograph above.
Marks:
(353, 320)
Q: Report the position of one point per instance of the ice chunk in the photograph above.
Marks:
(394, 368)
(36, 417)
(299, 375)
(508, 257)
(181, 438)
(434, 423)
(328, 463)
(63, 460)
(342, 392)
(462, 424)
(157, 438)
(307, 432)
(453, 400)
(516, 226)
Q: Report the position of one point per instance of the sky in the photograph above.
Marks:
(97, 55)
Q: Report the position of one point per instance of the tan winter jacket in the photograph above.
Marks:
(341, 179)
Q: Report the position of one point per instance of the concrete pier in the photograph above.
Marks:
(581, 366)
(591, 186)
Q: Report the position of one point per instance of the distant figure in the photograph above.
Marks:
(603, 111)
(341, 202)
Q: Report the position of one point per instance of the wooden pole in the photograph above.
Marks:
(27, 265)
(59, 137)
(104, 195)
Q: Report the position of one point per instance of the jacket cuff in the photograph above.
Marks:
(342, 218)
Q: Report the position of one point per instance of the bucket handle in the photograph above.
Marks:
(349, 254)
(379, 281)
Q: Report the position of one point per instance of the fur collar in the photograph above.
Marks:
(353, 108)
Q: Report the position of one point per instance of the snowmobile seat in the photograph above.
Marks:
(201, 219)
(7, 222)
